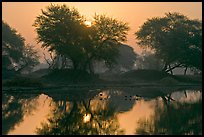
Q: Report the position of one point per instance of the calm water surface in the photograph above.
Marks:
(110, 111)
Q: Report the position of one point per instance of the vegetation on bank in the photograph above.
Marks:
(175, 39)
(20, 81)
(77, 49)
(72, 77)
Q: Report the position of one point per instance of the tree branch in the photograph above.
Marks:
(170, 69)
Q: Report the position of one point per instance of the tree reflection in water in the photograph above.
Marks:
(82, 119)
(173, 118)
(14, 108)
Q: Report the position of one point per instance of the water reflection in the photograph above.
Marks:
(82, 120)
(173, 119)
(14, 107)
(109, 111)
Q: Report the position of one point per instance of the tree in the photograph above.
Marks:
(16, 56)
(125, 60)
(105, 39)
(29, 60)
(59, 30)
(62, 30)
(173, 119)
(15, 108)
(175, 39)
(147, 60)
(109, 33)
(81, 118)
(12, 46)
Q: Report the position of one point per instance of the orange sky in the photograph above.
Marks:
(21, 15)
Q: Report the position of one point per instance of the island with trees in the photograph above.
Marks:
(94, 54)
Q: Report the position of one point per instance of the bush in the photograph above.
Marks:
(188, 78)
(169, 81)
(8, 74)
(69, 75)
(23, 82)
(147, 75)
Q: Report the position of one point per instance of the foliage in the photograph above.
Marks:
(148, 61)
(174, 119)
(101, 122)
(175, 39)
(108, 34)
(23, 82)
(143, 74)
(12, 46)
(62, 30)
(29, 60)
(16, 56)
(14, 109)
(169, 81)
(10, 117)
(59, 29)
(70, 76)
(126, 58)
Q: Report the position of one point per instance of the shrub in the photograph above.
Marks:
(69, 75)
(23, 82)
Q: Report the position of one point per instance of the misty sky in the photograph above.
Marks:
(21, 15)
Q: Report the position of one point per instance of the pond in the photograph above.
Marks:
(129, 111)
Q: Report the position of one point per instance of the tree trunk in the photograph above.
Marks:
(91, 68)
(170, 70)
(53, 60)
(63, 59)
(165, 67)
(75, 65)
(185, 70)
(185, 93)
(88, 64)
(56, 64)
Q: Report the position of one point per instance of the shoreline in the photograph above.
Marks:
(98, 87)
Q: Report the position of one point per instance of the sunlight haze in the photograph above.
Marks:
(21, 15)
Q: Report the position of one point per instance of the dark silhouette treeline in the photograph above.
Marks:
(176, 41)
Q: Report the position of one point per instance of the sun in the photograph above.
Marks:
(88, 23)
(86, 118)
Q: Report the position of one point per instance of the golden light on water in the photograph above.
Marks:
(86, 118)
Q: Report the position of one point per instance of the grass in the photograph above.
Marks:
(145, 75)
(188, 78)
(23, 82)
(69, 76)
(168, 81)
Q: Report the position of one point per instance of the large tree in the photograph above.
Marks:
(62, 30)
(16, 56)
(12, 46)
(175, 39)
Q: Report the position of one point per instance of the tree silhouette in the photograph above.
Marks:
(62, 30)
(14, 107)
(16, 56)
(174, 118)
(175, 39)
(82, 119)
